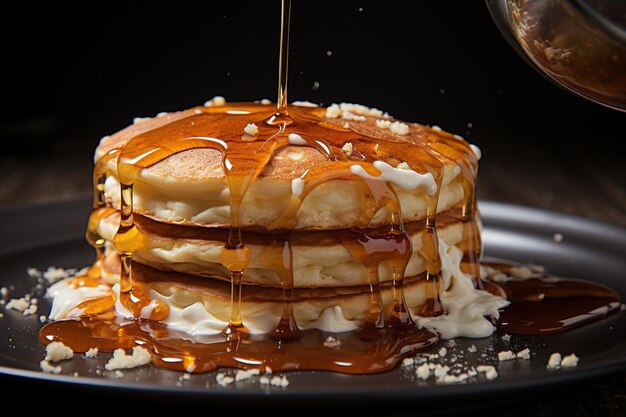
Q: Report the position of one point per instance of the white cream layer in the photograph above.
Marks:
(466, 307)
(66, 297)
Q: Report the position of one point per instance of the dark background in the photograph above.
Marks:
(75, 72)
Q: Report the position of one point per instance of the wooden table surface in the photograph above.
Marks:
(567, 186)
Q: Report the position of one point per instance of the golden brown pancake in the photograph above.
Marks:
(189, 186)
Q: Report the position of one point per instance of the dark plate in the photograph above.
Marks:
(52, 234)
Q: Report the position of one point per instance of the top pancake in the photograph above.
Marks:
(314, 173)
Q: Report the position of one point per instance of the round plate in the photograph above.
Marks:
(44, 235)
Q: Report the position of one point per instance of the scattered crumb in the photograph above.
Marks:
(404, 166)
(506, 337)
(251, 129)
(316, 86)
(54, 274)
(570, 361)
(472, 349)
(190, 368)
(499, 277)
(57, 351)
(443, 351)
(224, 379)
(353, 111)
(408, 361)
(92, 353)
(215, 101)
(453, 379)
(46, 367)
(197, 111)
(333, 111)
(304, 104)
(451, 343)
(399, 128)
(264, 380)
(436, 128)
(121, 360)
(19, 304)
(265, 101)
(523, 354)
(383, 124)
(329, 53)
(554, 361)
(33, 272)
(351, 116)
(268, 370)
(119, 374)
(75, 374)
(490, 371)
(139, 120)
(347, 148)
(361, 109)
(185, 377)
(278, 381)
(4, 291)
(477, 152)
(32, 309)
(506, 355)
(331, 342)
(346, 125)
(441, 371)
(522, 272)
(423, 371)
(242, 375)
(557, 237)
(43, 319)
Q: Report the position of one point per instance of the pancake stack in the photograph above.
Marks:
(230, 218)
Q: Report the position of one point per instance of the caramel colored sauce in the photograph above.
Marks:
(550, 305)
(355, 354)
(544, 304)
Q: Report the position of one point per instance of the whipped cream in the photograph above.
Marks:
(66, 298)
(466, 306)
(403, 178)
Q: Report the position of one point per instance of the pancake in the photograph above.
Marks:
(320, 259)
(203, 307)
(189, 186)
